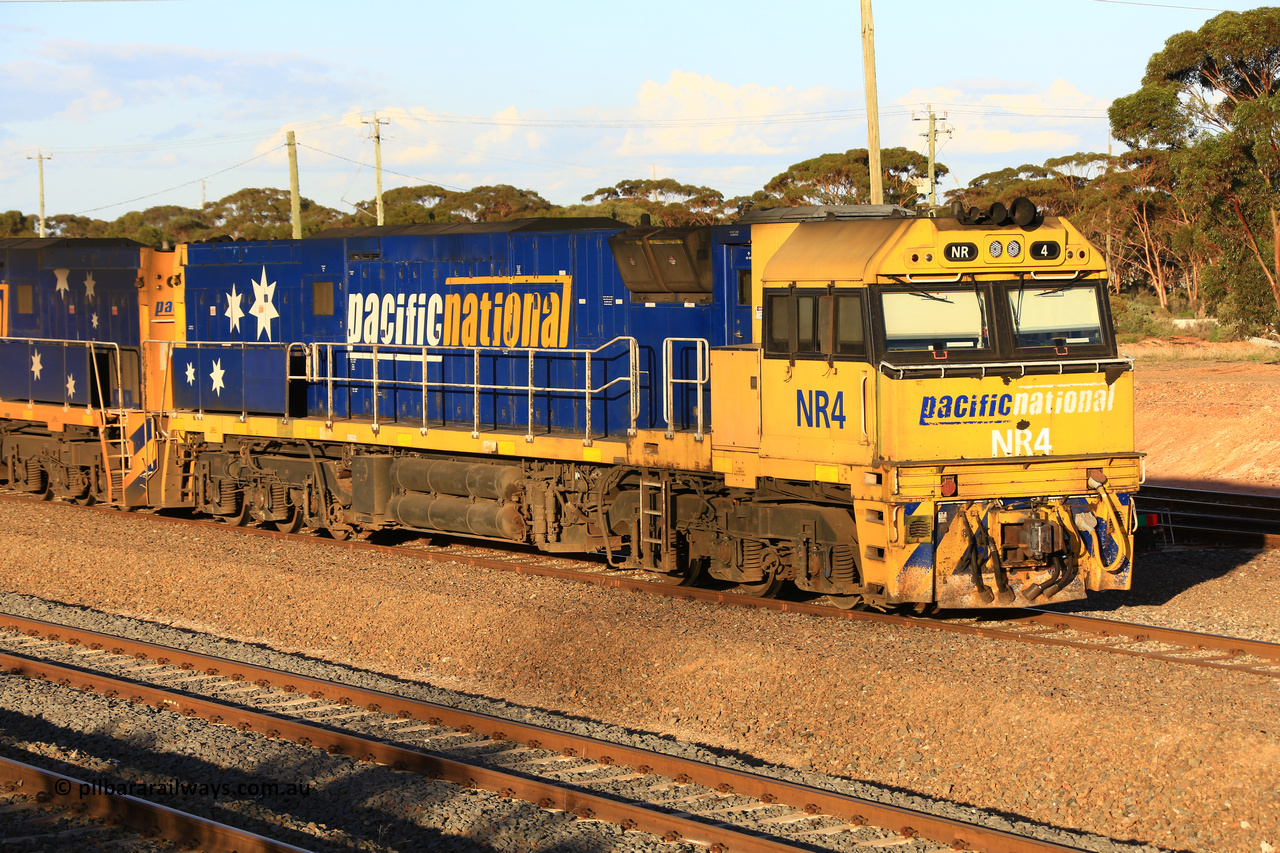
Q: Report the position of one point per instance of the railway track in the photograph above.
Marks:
(1040, 627)
(67, 812)
(1249, 519)
(674, 798)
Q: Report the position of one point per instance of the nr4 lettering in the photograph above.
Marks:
(819, 409)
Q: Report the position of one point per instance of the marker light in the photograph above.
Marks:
(995, 248)
(1015, 248)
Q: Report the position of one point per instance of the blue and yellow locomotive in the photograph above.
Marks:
(884, 408)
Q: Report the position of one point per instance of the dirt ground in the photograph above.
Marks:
(1202, 416)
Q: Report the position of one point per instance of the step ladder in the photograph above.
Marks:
(656, 551)
(119, 459)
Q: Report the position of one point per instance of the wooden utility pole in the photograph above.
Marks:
(933, 140)
(41, 157)
(295, 200)
(1111, 279)
(873, 104)
(377, 155)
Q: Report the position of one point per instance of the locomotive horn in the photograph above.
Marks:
(1024, 211)
(998, 214)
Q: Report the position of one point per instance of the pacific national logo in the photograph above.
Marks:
(995, 408)
(523, 312)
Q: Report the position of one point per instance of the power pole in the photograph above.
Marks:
(41, 157)
(933, 138)
(295, 201)
(202, 194)
(873, 104)
(1111, 280)
(377, 154)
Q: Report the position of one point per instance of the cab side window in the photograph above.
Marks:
(814, 324)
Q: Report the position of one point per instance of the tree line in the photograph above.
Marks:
(262, 214)
(1190, 212)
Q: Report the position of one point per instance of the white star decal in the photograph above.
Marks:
(89, 284)
(234, 311)
(262, 308)
(62, 287)
(95, 320)
(191, 373)
(71, 386)
(216, 376)
(35, 365)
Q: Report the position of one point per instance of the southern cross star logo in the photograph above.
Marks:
(63, 286)
(35, 365)
(234, 312)
(95, 320)
(71, 386)
(191, 373)
(89, 284)
(216, 376)
(262, 309)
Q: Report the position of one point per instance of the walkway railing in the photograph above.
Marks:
(94, 349)
(320, 360)
(702, 350)
(165, 354)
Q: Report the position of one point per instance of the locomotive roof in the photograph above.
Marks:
(831, 251)
(824, 212)
(541, 223)
(79, 242)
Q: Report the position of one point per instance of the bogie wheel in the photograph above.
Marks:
(341, 534)
(772, 582)
(87, 500)
(239, 519)
(847, 602)
(292, 524)
(766, 588)
(688, 574)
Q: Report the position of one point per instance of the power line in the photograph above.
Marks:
(179, 186)
(388, 171)
(1163, 6)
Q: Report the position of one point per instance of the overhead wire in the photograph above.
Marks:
(180, 186)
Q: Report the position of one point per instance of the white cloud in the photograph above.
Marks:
(693, 98)
(989, 119)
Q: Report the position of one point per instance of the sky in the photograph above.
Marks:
(140, 103)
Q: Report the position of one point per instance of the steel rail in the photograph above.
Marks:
(1250, 519)
(1234, 649)
(136, 813)
(854, 810)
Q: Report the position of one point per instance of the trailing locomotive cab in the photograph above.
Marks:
(960, 377)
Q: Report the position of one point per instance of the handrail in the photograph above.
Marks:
(105, 404)
(198, 345)
(92, 346)
(926, 278)
(1098, 363)
(703, 349)
(319, 368)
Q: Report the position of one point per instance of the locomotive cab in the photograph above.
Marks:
(960, 379)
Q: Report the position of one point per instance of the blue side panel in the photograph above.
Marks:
(47, 372)
(79, 293)
(503, 291)
(230, 379)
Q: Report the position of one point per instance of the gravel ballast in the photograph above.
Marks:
(1156, 753)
